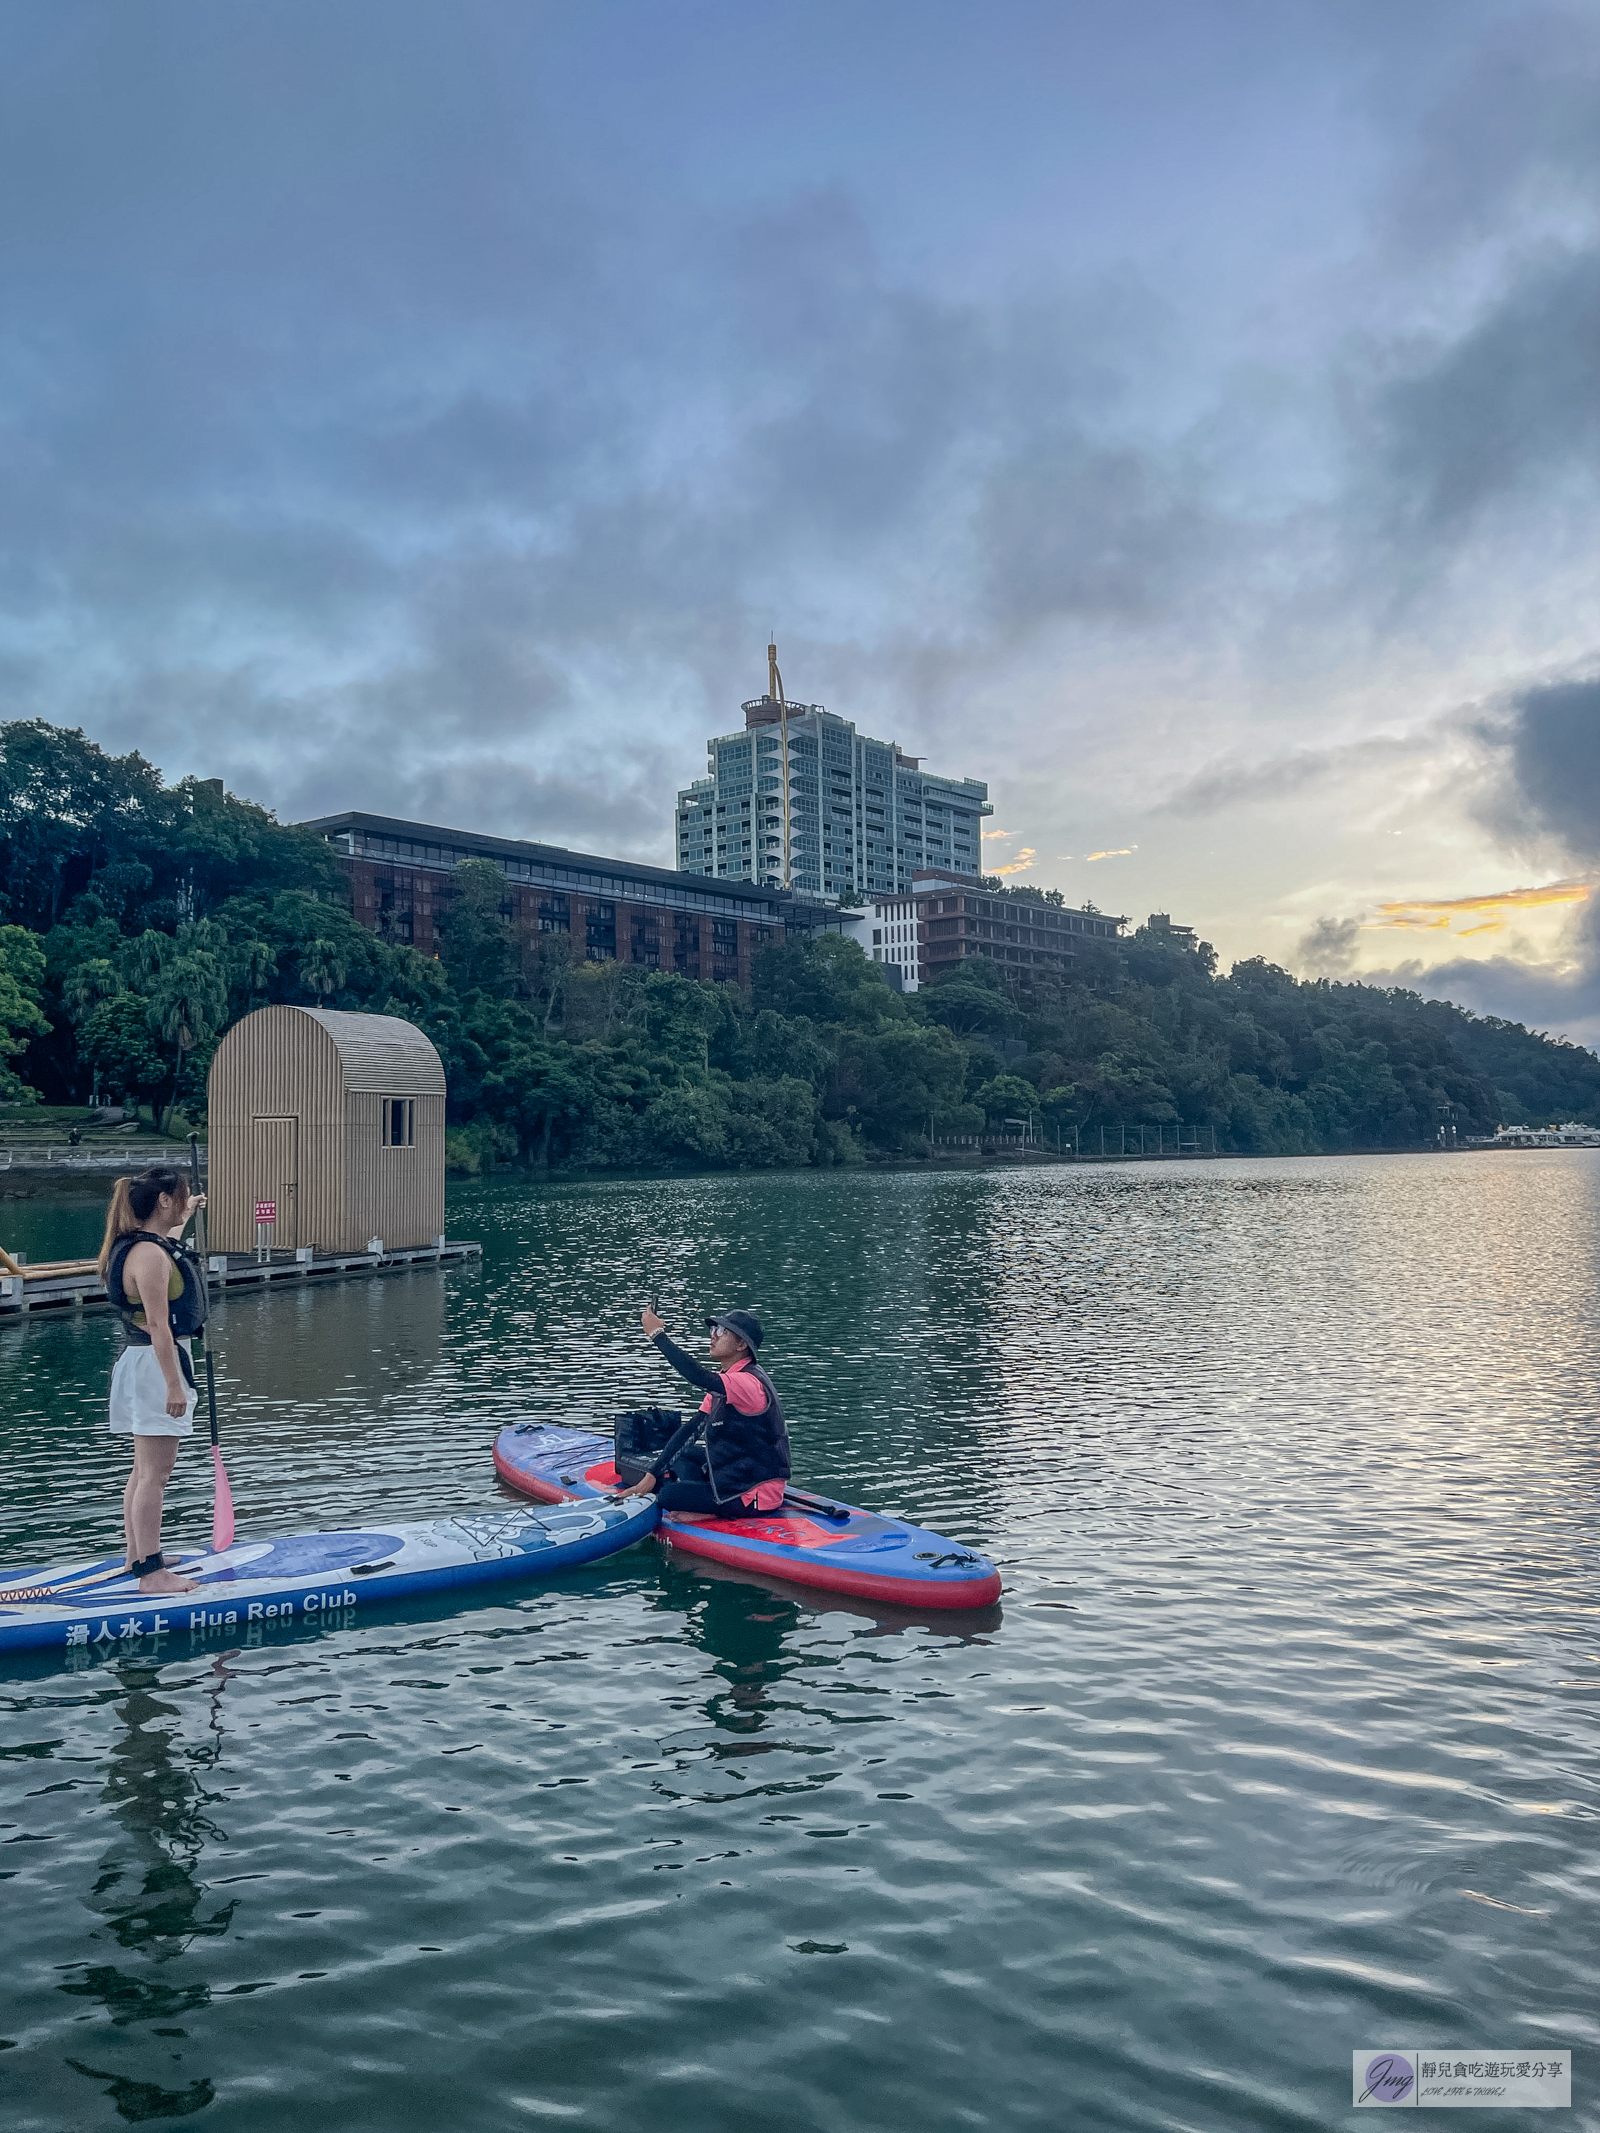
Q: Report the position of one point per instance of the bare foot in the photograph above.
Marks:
(167, 1581)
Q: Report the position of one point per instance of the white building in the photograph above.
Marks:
(800, 799)
(1571, 1135)
(886, 930)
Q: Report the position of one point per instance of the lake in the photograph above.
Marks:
(1282, 1743)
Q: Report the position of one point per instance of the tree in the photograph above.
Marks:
(143, 958)
(102, 835)
(66, 808)
(89, 984)
(894, 1079)
(221, 846)
(474, 937)
(252, 966)
(827, 980)
(189, 1006)
(1007, 1096)
(1063, 1107)
(969, 999)
(323, 968)
(600, 999)
(771, 1124)
(550, 957)
(527, 1082)
(21, 1017)
(690, 1120)
(121, 1047)
(679, 1016)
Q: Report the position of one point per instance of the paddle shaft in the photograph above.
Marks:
(200, 1247)
(222, 1509)
(200, 1217)
(819, 1504)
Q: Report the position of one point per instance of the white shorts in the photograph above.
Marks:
(139, 1397)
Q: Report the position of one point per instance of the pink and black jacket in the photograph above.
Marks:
(739, 1449)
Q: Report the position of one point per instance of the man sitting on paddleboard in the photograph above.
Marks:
(732, 1458)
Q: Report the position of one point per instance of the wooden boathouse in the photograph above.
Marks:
(338, 1120)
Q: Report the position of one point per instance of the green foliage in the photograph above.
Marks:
(474, 936)
(772, 1125)
(1007, 1096)
(891, 1081)
(468, 1150)
(120, 1046)
(969, 1000)
(827, 980)
(150, 918)
(104, 836)
(22, 967)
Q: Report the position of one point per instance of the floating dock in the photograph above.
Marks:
(75, 1285)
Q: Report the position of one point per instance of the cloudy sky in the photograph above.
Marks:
(1184, 414)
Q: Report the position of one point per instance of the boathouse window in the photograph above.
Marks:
(399, 1113)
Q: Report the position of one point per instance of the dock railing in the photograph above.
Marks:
(1119, 1142)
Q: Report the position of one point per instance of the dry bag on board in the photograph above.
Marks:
(640, 1437)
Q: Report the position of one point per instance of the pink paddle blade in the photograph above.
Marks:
(222, 1509)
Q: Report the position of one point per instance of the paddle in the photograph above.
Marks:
(222, 1499)
(818, 1506)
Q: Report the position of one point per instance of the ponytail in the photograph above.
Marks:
(133, 1202)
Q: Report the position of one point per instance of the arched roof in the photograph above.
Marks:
(381, 1052)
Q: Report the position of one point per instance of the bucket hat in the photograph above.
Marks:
(741, 1324)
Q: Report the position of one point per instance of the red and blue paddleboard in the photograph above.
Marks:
(810, 1541)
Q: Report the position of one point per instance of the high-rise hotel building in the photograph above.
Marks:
(853, 816)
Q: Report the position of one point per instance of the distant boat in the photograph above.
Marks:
(1570, 1135)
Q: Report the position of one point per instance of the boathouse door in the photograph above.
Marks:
(275, 1171)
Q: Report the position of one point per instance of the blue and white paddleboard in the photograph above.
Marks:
(315, 1577)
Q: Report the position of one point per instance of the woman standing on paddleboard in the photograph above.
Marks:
(160, 1292)
(732, 1458)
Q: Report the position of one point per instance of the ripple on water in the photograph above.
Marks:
(1282, 1743)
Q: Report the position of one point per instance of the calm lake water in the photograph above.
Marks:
(1283, 1741)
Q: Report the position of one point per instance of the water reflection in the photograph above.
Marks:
(745, 1630)
(139, 2101)
(296, 1352)
(148, 1891)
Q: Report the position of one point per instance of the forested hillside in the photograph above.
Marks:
(139, 920)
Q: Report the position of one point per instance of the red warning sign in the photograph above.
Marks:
(266, 1210)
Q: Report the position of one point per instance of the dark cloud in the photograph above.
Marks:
(1564, 1002)
(1329, 949)
(1087, 530)
(1515, 125)
(1539, 790)
(1543, 788)
(361, 433)
(1554, 759)
(1513, 401)
(1480, 412)
(1286, 777)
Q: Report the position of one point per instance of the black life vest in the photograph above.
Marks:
(741, 1451)
(186, 1313)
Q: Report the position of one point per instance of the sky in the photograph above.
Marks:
(1183, 414)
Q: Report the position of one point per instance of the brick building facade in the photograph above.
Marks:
(612, 910)
(956, 922)
(920, 935)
